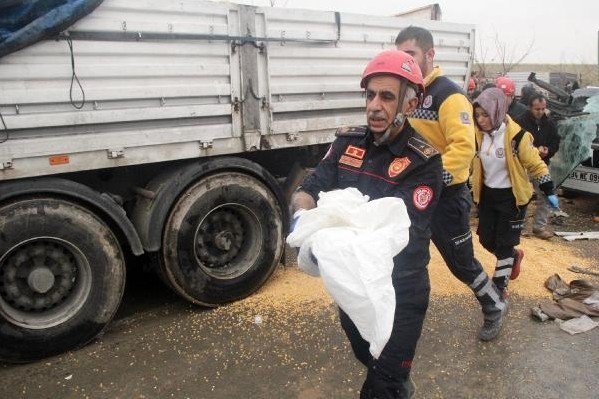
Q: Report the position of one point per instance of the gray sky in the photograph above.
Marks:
(563, 31)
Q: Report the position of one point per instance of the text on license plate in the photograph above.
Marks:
(585, 176)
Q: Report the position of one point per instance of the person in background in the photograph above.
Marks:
(471, 87)
(527, 91)
(515, 109)
(505, 159)
(445, 120)
(546, 140)
(387, 158)
(487, 85)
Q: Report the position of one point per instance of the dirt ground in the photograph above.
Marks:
(285, 341)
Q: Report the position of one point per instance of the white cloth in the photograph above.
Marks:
(354, 242)
(492, 154)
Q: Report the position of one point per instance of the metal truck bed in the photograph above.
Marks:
(174, 80)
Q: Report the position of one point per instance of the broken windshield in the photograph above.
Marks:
(576, 134)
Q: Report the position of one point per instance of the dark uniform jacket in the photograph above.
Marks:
(544, 132)
(408, 168)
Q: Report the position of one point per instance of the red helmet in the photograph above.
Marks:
(396, 63)
(505, 84)
(471, 84)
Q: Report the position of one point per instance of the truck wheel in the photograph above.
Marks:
(222, 239)
(62, 276)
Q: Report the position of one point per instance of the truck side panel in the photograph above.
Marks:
(315, 69)
(146, 101)
(175, 80)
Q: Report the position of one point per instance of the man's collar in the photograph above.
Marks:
(397, 145)
(435, 73)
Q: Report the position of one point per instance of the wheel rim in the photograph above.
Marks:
(227, 241)
(44, 281)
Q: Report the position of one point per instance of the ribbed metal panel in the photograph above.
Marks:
(521, 79)
(315, 85)
(125, 80)
(166, 79)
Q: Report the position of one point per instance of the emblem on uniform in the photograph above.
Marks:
(465, 118)
(499, 153)
(398, 165)
(428, 151)
(356, 163)
(355, 152)
(428, 101)
(422, 197)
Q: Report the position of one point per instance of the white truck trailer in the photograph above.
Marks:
(196, 120)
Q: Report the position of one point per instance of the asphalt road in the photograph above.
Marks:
(286, 342)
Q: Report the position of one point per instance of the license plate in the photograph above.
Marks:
(583, 178)
(590, 177)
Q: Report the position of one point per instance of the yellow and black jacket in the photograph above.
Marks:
(445, 120)
(523, 160)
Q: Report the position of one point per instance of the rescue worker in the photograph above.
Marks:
(445, 119)
(527, 91)
(515, 108)
(387, 158)
(471, 87)
(500, 182)
(546, 140)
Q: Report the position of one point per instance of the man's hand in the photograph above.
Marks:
(295, 220)
(553, 201)
(543, 151)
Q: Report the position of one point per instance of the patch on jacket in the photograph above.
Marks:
(356, 163)
(465, 118)
(422, 197)
(424, 149)
(428, 101)
(355, 152)
(351, 131)
(398, 165)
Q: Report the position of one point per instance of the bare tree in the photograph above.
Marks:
(509, 57)
(480, 58)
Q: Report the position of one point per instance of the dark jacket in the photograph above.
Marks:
(516, 109)
(543, 131)
(408, 168)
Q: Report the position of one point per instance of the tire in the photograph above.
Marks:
(222, 240)
(62, 277)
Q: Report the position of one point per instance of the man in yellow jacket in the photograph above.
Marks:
(445, 120)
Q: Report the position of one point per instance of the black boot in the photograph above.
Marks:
(385, 389)
(494, 306)
(493, 321)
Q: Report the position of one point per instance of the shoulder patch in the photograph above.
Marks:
(465, 118)
(351, 131)
(422, 148)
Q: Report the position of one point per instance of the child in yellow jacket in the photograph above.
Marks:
(504, 159)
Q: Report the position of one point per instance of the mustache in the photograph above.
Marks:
(375, 115)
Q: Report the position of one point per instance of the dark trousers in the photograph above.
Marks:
(451, 234)
(450, 228)
(499, 227)
(387, 375)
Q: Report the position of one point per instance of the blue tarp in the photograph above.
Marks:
(24, 22)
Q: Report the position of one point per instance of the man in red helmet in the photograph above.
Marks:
(445, 119)
(471, 87)
(515, 109)
(387, 158)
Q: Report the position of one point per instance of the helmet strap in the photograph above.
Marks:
(399, 119)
